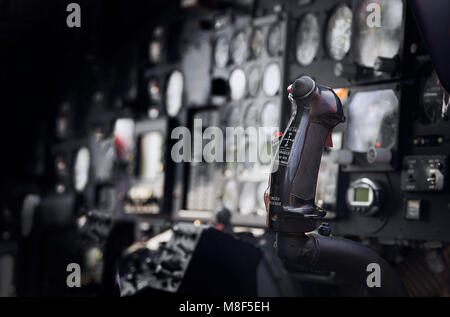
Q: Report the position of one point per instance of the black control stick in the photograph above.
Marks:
(292, 213)
(317, 110)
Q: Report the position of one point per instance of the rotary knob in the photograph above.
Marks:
(378, 155)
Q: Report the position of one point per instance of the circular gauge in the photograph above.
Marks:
(81, 169)
(270, 115)
(274, 40)
(247, 199)
(221, 52)
(260, 190)
(174, 93)
(239, 49)
(271, 79)
(155, 46)
(254, 77)
(238, 84)
(308, 38)
(339, 32)
(251, 116)
(154, 90)
(230, 195)
(256, 43)
(433, 99)
(378, 38)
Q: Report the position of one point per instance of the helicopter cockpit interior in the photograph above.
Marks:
(139, 140)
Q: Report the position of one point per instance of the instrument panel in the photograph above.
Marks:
(218, 69)
(172, 116)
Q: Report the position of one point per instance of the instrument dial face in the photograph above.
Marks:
(238, 84)
(373, 120)
(339, 33)
(382, 41)
(247, 199)
(271, 79)
(81, 169)
(256, 43)
(274, 40)
(230, 195)
(270, 115)
(434, 99)
(174, 93)
(221, 52)
(239, 48)
(254, 77)
(308, 39)
(251, 116)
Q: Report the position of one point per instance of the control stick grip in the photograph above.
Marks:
(305, 179)
(319, 111)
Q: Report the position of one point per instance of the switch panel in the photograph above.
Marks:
(163, 269)
(424, 173)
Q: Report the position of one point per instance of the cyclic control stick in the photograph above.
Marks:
(292, 213)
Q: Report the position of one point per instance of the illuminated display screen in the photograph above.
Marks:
(361, 194)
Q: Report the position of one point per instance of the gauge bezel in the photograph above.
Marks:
(373, 205)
